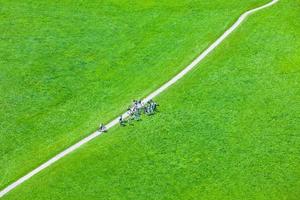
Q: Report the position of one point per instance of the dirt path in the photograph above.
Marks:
(151, 96)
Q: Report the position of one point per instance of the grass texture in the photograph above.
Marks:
(66, 66)
(228, 130)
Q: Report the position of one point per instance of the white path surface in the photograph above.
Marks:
(151, 96)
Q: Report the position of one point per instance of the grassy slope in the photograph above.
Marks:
(229, 130)
(67, 65)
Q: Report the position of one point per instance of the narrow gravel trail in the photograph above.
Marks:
(151, 96)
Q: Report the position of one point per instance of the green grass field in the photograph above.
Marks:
(228, 130)
(66, 66)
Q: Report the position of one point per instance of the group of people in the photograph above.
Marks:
(150, 107)
(134, 112)
(137, 109)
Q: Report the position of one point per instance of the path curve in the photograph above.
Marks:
(151, 96)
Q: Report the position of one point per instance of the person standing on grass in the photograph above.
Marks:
(154, 106)
(121, 121)
(150, 107)
(134, 103)
(139, 106)
(147, 109)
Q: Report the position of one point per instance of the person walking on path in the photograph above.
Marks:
(121, 121)
(102, 128)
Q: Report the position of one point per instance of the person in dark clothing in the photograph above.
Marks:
(121, 121)
(102, 128)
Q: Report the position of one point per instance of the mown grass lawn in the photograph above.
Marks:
(66, 66)
(229, 130)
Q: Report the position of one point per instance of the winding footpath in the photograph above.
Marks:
(151, 96)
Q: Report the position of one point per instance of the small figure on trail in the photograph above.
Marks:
(134, 103)
(121, 121)
(139, 106)
(102, 128)
(129, 110)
